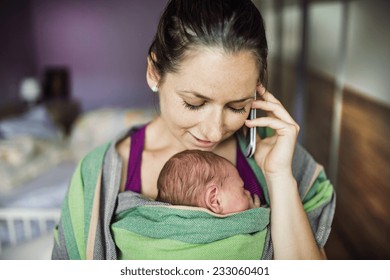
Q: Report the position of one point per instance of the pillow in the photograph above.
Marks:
(35, 123)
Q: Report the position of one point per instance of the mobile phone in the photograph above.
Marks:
(251, 135)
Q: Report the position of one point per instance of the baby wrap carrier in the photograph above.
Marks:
(99, 222)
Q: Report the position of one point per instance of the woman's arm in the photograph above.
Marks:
(291, 233)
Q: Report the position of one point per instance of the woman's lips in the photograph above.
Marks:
(203, 143)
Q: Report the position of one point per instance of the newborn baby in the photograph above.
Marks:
(204, 179)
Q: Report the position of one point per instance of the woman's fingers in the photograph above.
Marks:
(272, 106)
(276, 109)
(281, 127)
(266, 95)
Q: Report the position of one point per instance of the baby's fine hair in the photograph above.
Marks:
(184, 177)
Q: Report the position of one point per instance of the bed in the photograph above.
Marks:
(37, 158)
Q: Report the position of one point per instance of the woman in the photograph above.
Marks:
(207, 60)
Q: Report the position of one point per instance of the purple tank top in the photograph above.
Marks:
(133, 182)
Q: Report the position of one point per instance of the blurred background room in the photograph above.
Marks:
(72, 75)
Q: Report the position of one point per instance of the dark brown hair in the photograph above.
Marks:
(232, 25)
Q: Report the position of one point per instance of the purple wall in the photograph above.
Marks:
(104, 44)
(17, 53)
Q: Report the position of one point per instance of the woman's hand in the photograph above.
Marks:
(291, 233)
(274, 154)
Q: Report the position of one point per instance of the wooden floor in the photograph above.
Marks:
(362, 222)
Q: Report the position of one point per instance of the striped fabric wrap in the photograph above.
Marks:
(170, 232)
(99, 222)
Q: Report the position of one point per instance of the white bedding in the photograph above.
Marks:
(35, 173)
(24, 158)
(30, 144)
(44, 191)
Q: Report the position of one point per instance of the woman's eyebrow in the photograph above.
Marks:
(197, 94)
(241, 100)
(194, 93)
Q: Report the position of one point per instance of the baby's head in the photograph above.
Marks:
(203, 179)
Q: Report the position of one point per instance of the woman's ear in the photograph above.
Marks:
(212, 199)
(152, 77)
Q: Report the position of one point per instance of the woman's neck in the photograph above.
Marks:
(159, 138)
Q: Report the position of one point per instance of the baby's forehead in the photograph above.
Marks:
(229, 171)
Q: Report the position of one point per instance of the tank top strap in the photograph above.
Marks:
(250, 182)
(133, 182)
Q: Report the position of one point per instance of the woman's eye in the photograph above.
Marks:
(192, 107)
(197, 107)
(238, 110)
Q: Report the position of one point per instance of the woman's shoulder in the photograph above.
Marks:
(122, 146)
(101, 159)
(119, 144)
(93, 160)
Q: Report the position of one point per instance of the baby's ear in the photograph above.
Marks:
(212, 198)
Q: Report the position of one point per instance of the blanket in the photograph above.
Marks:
(99, 222)
(174, 232)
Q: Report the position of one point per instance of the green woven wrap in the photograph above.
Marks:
(100, 222)
(160, 232)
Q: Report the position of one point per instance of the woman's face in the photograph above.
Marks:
(209, 98)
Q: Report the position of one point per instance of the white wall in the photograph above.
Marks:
(324, 37)
(368, 56)
(367, 67)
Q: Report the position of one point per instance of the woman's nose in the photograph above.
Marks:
(213, 127)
